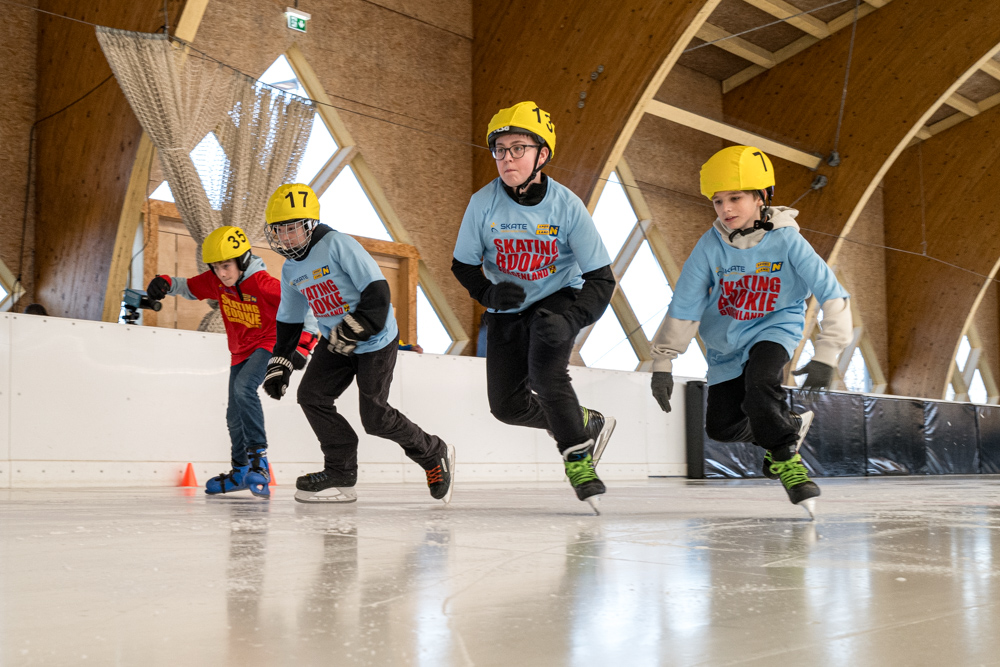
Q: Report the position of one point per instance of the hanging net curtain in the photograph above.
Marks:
(180, 96)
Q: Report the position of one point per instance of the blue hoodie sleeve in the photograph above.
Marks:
(814, 272)
(694, 287)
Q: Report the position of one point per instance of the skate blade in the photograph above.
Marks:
(602, 438)
(595, 504)
(332, 495)
(809, 505)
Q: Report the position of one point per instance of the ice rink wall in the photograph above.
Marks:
(94, 404)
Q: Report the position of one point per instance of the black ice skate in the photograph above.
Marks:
(805, 421)
(440, 478)
(326, 486)
(794, 477)
(599, 429)
(582, 476)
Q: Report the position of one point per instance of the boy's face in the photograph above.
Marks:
(292, 235)
(737, 209)
(514, 171)
(227, 272)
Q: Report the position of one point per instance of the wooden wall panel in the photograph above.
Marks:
(948, 186)
(85, 154)
(546, 52)
(907, 56)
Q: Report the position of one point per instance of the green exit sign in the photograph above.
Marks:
(296, 20)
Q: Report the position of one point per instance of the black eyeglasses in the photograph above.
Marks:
(516, 151)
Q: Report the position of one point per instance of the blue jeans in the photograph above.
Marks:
(244, 415)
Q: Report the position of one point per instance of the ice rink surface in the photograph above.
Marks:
(895, 572)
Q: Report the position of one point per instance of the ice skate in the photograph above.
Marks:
(582, 476)
(228, 482)
(805, 421)
(440, 478)
(794, 477)
(326, 486)
(258, 477)
(599, 429)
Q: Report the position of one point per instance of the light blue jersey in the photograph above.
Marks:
(542, 248)
(330, 280)
(745, 296)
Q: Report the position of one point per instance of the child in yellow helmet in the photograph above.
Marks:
(528, 250)
(248, 301)
(744, 289)
(333, 275)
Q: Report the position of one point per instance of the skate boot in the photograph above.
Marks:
(228, 482)
(599, 429)
(440, 478)
(326, 486)
(580, 469)
(795, 478)
(259, 476)
(805, 420)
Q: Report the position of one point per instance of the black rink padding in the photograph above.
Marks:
(860, 435)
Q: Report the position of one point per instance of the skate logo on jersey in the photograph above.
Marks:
(508, 227)
(749, 297)
(735, 268)
(239, 312)
(300, 279)
(768, 267)
(321, 271)
(527, 259)
(547, 230)
(325, 299)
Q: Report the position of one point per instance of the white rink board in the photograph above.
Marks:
(96, 404)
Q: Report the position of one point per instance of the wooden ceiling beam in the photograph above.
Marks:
(736, 45)
(793, 16)
(963, 104)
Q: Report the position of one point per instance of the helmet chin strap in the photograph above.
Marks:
(521, 190)
(763, 223)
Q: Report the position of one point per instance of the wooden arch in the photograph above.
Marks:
(945, 191)
(549, 52)
(908, 58)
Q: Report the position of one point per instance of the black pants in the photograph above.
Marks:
(752, 407)
(528, 381)
(327, 376)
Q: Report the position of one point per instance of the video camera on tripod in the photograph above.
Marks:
(133, 300)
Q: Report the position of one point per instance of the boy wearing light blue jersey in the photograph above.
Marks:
(528, 251)
(744, 289)
(332, 274)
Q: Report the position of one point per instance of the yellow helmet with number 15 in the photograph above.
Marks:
(226, 243)
(526, 117)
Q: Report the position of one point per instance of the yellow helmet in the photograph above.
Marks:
(226, 243)
(737, 168)
(292, 201)
(524, 116)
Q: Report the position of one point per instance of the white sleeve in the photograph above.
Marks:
(836, 331)
(671, 341)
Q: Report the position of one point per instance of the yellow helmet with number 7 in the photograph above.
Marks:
(737, 168)
(526, 117)
(227, 243)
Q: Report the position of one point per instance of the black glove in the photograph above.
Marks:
(347, 335)
(158, 287)
(279, 372)
(307, 341)
(504, 296)
(818, 375)
(663, 389)
(552, 328)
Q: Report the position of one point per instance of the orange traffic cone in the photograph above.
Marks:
(270, 471)
(188, 478)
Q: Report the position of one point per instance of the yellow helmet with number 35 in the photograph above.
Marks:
(527, 117)
(227, 243)
(737, 168)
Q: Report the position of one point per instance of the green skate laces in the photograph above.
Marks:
(792, 472)
(580, 471)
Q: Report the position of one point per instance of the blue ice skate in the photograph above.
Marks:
(258, 478)
(228, 482)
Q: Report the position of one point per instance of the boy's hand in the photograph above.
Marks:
(818, 375)
(279, 372)
(347, 335)
(552, 328)
(663, 389)
(504, 296)
(158, 287)
(307, 341)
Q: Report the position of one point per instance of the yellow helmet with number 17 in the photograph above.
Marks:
(291, 215)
